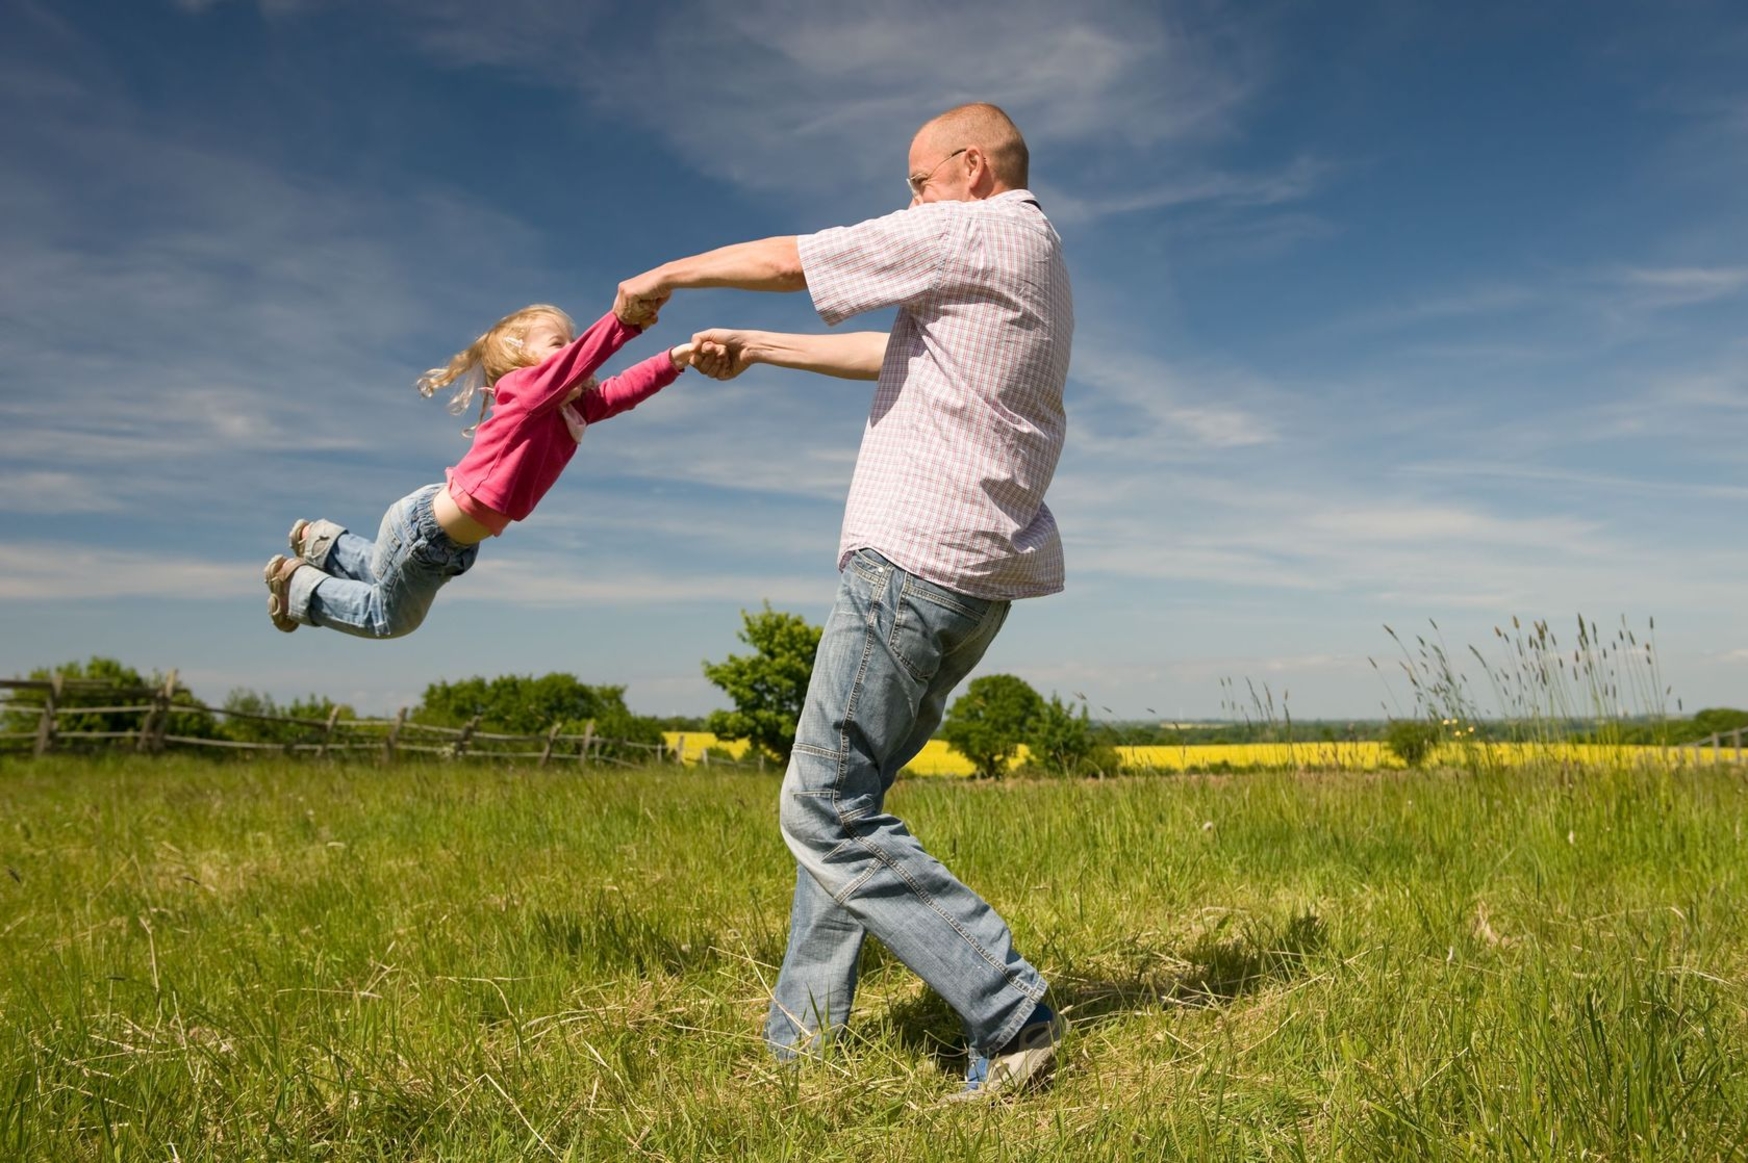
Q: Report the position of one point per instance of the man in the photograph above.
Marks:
(945, 525)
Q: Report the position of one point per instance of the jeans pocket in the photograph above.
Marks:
(928, 623)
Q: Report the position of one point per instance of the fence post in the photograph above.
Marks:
(466, 734)
(394, 733)
(45, 727)
(162, 726)
(151, 732)
(328, 732)
(1737, 735)
(551, 734)
(680, 752)
(588, 741)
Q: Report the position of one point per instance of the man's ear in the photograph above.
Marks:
(979, 177)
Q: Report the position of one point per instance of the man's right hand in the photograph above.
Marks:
(721, 354)
(640, 299)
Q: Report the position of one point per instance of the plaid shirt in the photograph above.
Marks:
(967, 423)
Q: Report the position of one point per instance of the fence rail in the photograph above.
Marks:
(1717, 746)
(388, 738)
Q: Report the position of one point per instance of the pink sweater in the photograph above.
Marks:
(519, 450)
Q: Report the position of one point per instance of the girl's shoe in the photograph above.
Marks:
(311, 540)
(277, 575)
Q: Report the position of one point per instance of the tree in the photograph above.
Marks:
(769, 686)
(1411, 739)
(990, 720)
(1064, 743)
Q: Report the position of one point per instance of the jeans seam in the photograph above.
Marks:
(870, 631)
(929, 902)
(915, 585)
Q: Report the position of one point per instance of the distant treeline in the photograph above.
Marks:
(526, 704)
(1648, 732)
(511, 704)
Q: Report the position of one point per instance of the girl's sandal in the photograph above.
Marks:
(311, 540)
(277, 575)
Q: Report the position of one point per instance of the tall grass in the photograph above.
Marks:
(299, 961)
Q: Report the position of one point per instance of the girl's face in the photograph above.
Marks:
(545, 336)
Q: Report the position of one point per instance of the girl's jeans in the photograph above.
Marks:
(381, 589)
(892, 650)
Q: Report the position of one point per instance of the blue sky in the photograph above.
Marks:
(1387, 311)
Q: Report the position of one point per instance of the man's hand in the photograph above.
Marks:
(721, 354)
(640, 299)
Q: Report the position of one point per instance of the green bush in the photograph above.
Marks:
(24, 709)
(1411, 740)
(1065, 744)
(243, 701)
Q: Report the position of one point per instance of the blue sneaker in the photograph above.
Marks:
(1025, 1061)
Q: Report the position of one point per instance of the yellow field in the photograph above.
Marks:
(938, 759)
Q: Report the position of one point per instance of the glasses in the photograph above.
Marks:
(917, 184)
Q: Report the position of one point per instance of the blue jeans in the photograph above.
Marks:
(893, 649)
(382, 588)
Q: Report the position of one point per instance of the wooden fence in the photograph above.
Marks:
(157, 708)
(1717, 746)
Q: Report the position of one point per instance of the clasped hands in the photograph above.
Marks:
(719, 353)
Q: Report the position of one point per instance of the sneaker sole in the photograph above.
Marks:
(281, 620)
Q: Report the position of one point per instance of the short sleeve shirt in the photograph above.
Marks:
(967, 423)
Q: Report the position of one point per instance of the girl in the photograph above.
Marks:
(538, 383)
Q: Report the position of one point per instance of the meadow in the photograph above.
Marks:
(314, 961)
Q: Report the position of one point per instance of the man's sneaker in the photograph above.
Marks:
(1024, 1062)
(277, 575)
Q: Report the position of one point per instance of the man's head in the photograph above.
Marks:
(967, 154)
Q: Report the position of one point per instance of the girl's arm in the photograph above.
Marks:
(634, 385)
(550, 382)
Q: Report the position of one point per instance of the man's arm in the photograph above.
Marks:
(723, 354)
(769, 264)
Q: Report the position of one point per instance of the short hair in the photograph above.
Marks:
(991, 130)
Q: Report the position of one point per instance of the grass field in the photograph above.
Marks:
(299, 961)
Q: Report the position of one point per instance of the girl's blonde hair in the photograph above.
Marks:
(481, 364)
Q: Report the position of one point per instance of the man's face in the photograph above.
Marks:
(938, 172)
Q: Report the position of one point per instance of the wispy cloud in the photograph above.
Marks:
(535, 580)
(65, 571)
(1147, 405)
(1298, 180)
(55, 492)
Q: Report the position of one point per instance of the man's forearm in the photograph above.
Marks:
(768, 264)
(856, 356)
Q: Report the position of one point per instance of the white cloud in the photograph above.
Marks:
(55, 492)
(1297, 181)
(534, 580)
(62, 571)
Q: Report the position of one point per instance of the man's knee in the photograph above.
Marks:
(809, 822)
